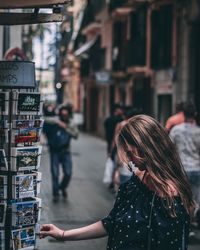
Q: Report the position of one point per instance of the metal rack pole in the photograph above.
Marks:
(9, 176)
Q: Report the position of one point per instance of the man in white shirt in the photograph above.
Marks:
(186, 137)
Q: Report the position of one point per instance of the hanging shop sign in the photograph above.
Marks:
(17, 74)
(164, 81)
(103, 77)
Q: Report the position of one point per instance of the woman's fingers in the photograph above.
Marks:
(46, 230)
(50, 230)
(46, 227)
(44, 233)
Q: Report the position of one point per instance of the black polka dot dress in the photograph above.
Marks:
(127, 224)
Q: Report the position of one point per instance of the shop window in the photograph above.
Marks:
(98, 5)
(97, 56)
(85, 67)
(136, 53)
(89, 15)
(120, 45)
(164, 108)
(142, 95)
(162, 30)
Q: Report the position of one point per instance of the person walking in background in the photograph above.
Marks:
(122, 172)
(186, 137)
(152, 209)
(110, 124)
(59, 132)
(177, 118)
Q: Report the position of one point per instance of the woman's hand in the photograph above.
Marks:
(92, 231)
(51, 230)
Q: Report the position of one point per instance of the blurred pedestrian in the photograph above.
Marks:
(59, 132)
(122, 172)
(152, 209)
(186, 136)
(110, 124)
(49, 109)
(177, 118)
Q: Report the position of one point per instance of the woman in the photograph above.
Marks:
(152, 209)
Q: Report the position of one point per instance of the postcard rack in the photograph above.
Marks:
(20, 156)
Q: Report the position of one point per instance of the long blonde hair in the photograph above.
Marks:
(157, 153)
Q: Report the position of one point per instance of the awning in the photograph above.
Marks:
(29, 18)
(77, 29)
(12, 4)
(86, 46)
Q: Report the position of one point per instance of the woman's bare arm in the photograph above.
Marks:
(92, 231)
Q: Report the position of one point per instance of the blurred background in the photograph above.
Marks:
(138, 53)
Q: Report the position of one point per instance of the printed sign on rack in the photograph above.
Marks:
(27, 103)
(17, 74)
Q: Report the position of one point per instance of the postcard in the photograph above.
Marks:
(24, 238)
(23, 186)
(26, 185)
(26, 124)
(3, 187)
(26, 213)
(2, 213)
(3, 160)
(28, 103)
(26, 135)
(4, 99)
(26, 158)
(2, 240)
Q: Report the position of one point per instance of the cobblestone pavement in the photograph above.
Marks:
(88, 201)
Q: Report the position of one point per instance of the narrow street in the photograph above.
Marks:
(89, 200)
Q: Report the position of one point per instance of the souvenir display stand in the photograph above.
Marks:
(20, 153)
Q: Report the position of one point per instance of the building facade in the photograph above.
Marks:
(143, 54)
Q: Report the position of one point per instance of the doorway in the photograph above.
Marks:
(164, 108)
